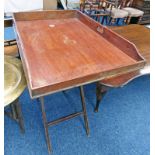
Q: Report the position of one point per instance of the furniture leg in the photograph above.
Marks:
(104, 18)
(100, 92)
(140, 18)
(110, 20)
(125, 20)
(37, 100)
(84, 109)
(13, 110)
(93, 17)
(114, 20)
(98, 19)
(128, 20)
(19, 116)
(45, 124)
(117, 21)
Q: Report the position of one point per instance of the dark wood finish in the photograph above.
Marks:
(19, 116)
(10, 46)
(89, 4)
(140, 36)
(8, 22)
(45, 125)
(48, 124)
(96, 10)
(125, 3)
(65, 118)
(143, 5)
(16, 114)
(84, 109)
(100, 92)
(130, 19)
(58, 50)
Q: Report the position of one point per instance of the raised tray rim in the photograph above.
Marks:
(32, 90)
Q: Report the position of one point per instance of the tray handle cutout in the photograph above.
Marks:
(100, 29)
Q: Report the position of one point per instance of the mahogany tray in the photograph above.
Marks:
(64, 49)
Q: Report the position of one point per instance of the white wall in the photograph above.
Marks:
(22, 5)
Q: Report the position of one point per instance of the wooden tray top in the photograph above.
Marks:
(139, 35)
(64, 49)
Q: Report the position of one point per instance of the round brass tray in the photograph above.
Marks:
(14, 80)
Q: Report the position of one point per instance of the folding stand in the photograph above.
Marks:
(48, 124)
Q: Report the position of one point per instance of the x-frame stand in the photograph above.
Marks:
(48, 124)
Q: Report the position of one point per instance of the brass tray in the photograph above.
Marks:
(14, 80)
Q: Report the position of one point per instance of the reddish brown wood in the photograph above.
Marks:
(45, 15)
(63, 49)
(120, 80)
(140, 36)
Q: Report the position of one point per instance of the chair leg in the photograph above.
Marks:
(45, 124)
(100, 92)
(110, 20)
(104, 18)
(139, 20)
(99, 19)
(38, 100)
(125, 20)
(84, 110)
(128, 20)
(102, 21)
(19, 116)
(117, 21)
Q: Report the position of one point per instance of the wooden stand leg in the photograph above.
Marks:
(100, 92)
(84, 109)
(45, 125)
(19, 116)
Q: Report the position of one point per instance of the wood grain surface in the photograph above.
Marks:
(64, 49)
(140, 36)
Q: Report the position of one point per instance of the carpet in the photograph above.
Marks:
(121, 127)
